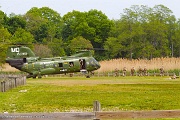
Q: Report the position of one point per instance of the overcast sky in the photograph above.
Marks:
(111, 8)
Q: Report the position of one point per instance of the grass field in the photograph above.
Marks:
(77, 94)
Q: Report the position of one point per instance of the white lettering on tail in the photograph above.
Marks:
(14, 49)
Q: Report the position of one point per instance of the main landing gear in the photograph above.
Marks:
(85, 72)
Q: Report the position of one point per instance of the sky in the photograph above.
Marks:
(111, 8)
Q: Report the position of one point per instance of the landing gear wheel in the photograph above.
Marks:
(28, 76)
(88, 76)
(39, 76)
(34, 77)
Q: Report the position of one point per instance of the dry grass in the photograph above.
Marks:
(8, 68)
(166, 63)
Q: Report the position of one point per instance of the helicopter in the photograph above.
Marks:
(24, 59)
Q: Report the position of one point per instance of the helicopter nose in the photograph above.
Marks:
(98, 65)
(94, 64)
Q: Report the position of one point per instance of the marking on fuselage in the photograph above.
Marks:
(14, 49)
(63, 70)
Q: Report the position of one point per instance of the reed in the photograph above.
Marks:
(153, 64)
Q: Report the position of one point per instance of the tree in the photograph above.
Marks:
(145, 32)
(131, 31)
(44, 23)
(79, 43)
(176, 40)
(158, 27)
(15, 22)
(92, 25)
(5, 36)
(100, 27)
(42, 51)
(74, 25)
(34, 23)
(114, 47)
(2, 18)
(57, 47)
(3, 49)
(22, 37)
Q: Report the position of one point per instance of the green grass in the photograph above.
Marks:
(77, 94)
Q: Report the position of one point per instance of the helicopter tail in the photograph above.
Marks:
(17, 52)
(16, 56)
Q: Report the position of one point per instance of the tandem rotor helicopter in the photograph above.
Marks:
(23, 58)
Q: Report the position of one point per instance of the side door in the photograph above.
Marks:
(82, 63)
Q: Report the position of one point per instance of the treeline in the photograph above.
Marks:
(140, 32)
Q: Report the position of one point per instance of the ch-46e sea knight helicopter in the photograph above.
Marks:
(24, 59)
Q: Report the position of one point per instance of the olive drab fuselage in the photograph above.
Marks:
(24, 59)
(60, 66)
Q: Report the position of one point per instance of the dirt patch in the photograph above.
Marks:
(8, 68)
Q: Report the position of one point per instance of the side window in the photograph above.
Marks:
(71, 64)
(60, 64)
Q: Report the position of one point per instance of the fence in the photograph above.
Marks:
(97, 114)
(134, 114)
(11, 81)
